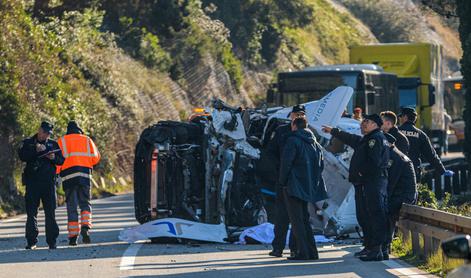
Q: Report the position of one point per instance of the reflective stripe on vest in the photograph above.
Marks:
(86, 154)
(74, 175)
(78, 150)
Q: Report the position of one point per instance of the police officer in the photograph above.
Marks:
(275, 148)
(420, 146)
(41, 155)
(402, 188)
(368, 173)
(390, 126)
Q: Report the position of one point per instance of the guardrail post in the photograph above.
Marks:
(435, 244)
(416, 244)
(447, 186)
(456, 180)
(428, 246)
(439, 186)
(464, 178)
(405, 235)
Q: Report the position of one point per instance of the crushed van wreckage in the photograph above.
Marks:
(214, 169)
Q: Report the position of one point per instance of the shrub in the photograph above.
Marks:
(151, 53)
(231, 64)
(390, 21)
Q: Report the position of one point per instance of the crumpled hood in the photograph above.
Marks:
(306, 135)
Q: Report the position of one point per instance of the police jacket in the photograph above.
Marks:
(301, 167)
(39, 168)
(402, 143)
(370, 158)
(402, 186)
(420, 147)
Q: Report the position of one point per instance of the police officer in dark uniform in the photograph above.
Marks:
(368, 173)
(275, 148)
(41, 155)
(402, 188)
(390, 126)
(420, 146)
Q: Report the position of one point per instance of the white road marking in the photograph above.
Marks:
(14, 219)
(129, 256)
(406, 271)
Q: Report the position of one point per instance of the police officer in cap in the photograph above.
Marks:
(420, 146)
(275, 147)
(368, 173)
(41, 155)
(402, 188)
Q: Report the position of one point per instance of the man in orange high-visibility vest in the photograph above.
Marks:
(81, 155)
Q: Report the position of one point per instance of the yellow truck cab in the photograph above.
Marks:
(419, 70)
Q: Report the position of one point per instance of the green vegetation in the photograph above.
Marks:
(119, 66)
(331, 33)
(388, 20)
(436, 264)
(460, 204)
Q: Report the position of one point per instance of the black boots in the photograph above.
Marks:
(361, 253)
(386, 252)
(276, 253)
(372, 256)
(73, 241)
(85, 235)
(30, 247)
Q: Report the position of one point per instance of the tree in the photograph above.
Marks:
(42, 8)
(461, 9)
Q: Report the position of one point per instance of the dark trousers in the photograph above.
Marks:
(45, 193)
(362, 213)
(78, 195)
(282, 224)
(301, 227)
(393, 217)
(375, 200)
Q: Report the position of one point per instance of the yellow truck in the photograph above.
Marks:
(419, 68)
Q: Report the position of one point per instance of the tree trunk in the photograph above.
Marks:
(464, 12)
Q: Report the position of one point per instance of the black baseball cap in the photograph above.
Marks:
(298, 108)
(47, 127)
(407, 111)
(375, 118)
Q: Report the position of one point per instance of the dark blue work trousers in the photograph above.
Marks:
(46, 194)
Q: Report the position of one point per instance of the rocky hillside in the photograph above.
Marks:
(118, 66)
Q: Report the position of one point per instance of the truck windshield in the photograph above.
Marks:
(302, 87)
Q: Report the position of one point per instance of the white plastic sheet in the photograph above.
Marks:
(175, 228)
(264, 233)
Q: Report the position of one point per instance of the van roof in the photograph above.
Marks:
(346, 67)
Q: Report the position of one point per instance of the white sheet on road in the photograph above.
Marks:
(264, 233)
(175, 228)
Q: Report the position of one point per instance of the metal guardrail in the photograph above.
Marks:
(432, 225)
(455, 185)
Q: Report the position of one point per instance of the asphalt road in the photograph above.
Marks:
(108, 257)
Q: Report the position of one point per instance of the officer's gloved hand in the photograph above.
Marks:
(448, 173)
